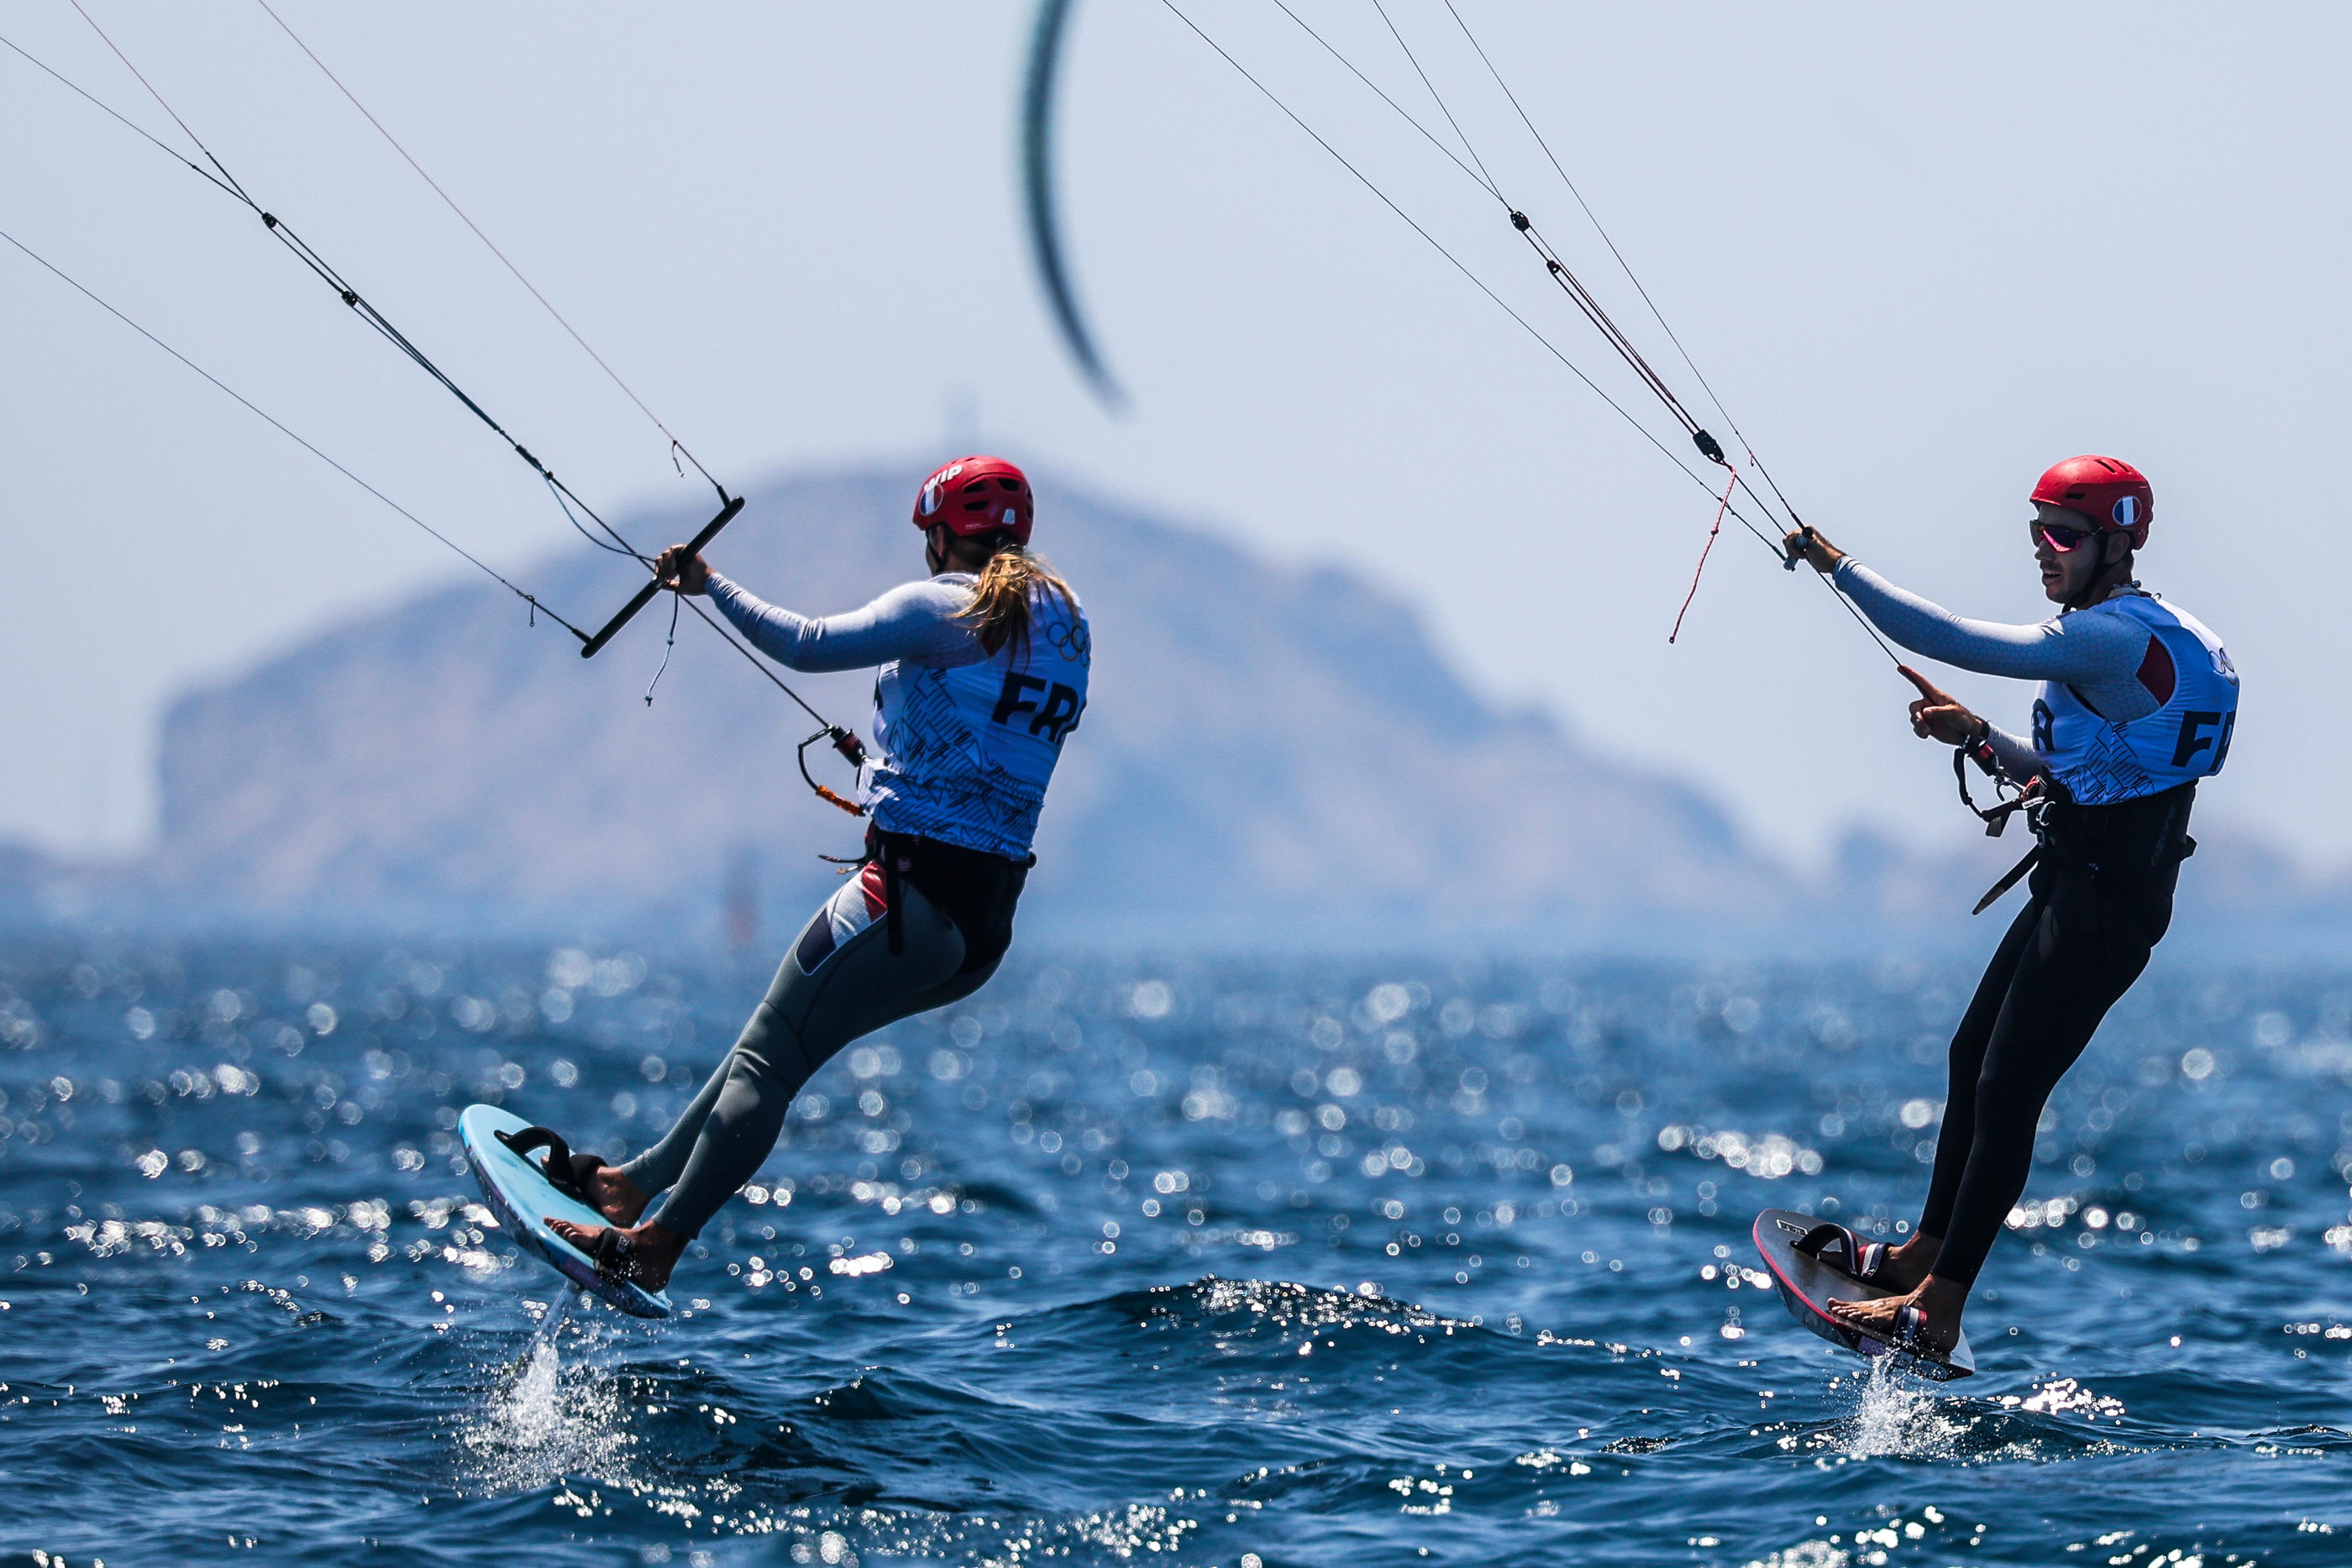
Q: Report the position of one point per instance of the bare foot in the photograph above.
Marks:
(654, 1249)
(1940, 1304)
(615, 1197)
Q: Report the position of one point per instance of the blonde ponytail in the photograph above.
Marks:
(999, 609)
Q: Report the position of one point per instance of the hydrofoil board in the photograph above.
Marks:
(520, 1194)
(1807, 1285)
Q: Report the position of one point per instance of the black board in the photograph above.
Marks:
(1807, 1285)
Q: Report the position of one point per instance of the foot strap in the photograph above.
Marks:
(566, 1172)
(1909, 1323)
(615, 1255)
(1842, 1250)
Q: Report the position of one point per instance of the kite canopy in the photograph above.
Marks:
(1038, 187)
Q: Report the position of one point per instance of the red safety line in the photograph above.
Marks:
(1721, 508)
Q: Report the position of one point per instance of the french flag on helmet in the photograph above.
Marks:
(978, 496)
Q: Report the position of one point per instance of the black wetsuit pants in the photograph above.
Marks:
(2100, 901)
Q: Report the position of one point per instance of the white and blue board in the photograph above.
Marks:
(520, 1194)
(1808, 1284)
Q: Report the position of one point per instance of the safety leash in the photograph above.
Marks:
(2032, 802)
(853, 750)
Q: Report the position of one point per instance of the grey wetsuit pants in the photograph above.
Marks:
(840, 980)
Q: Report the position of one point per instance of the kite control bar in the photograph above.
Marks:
(646, 595)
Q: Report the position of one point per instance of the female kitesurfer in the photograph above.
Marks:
(2138, 703)
(983, 677)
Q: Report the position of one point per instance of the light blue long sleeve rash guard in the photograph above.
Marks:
(913, 621)
(2099, 655)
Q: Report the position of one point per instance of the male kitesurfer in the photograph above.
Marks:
(983, 677)
(2137, 701)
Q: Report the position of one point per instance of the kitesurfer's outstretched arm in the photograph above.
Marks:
(914, 620)
(2082, 650)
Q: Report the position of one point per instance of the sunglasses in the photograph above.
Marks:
(2064, 540)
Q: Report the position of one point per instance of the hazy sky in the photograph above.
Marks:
(1921, 254)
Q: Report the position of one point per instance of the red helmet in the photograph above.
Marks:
(977, 497)
(2107, 490)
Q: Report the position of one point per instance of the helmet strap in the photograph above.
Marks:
(2104, 580)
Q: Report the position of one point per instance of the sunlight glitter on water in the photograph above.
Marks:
(1186, 1263)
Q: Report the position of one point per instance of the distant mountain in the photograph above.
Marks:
(1269, 753)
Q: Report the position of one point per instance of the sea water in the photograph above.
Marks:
(1182, 1262)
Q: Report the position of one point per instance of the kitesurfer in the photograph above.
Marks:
(983, 677)
(2138, 703)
